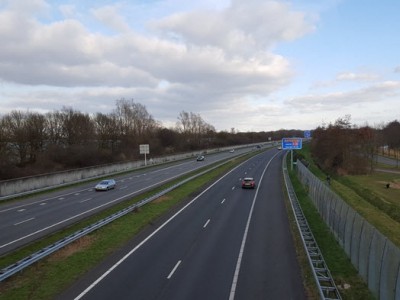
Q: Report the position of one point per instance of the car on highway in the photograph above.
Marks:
(105, 185)
(248, 183)
(200, 158)
(232, 150)
(279, 147)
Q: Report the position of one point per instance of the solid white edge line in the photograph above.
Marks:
(241, 251)
(146, 239)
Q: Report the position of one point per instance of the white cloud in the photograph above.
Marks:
(110, 16)
(362, 101)
(356, 76)
(244, 28)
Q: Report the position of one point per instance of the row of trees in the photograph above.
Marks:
(343, 148)
(32, 143)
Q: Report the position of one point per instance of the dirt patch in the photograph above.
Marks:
(393, 185)
(161, 199)
(77, 246)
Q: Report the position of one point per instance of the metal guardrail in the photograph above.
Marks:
(326, 285)
(31, 259)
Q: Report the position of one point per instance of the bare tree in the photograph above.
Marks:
(15, 129)
(36, 134)
(392, 136)
(77, 128)
(193, 129)
(106, 128)
(54, 128)
(135, 124)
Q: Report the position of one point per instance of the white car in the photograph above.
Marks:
(105, 185)
(232, 150)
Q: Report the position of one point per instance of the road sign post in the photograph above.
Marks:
(292, 144)
(144, 149)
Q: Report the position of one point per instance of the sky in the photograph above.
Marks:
(243, 65)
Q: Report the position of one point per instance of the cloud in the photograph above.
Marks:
(356, 76)
(340, 101)
(241, 29)
(109, 16)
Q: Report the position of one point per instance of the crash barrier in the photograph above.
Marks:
(375, 257)
(323, 278)
(22, 186)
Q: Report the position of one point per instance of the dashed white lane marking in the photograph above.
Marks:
(84, 200)
(21, 210)
(223, 200)
(27, 220)
(43, 203)
(205, 225)
(174, 269)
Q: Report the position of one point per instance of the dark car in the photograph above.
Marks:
(248, 183)
(105, 185)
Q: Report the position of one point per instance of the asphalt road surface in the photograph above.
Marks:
(226, 243)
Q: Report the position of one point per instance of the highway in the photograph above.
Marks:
(226, 243)
(27, 220)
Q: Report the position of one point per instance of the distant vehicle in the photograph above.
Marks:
(258, 146)
(200, 158)
(248, 183)
(232, 150)
(105, 185)
(279, 147)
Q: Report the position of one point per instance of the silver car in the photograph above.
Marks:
(105, 185)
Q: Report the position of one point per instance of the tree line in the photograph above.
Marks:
(343, 148)
(32, 143)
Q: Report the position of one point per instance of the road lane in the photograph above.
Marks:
(269, 268)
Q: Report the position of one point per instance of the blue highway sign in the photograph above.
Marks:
(291, 143)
